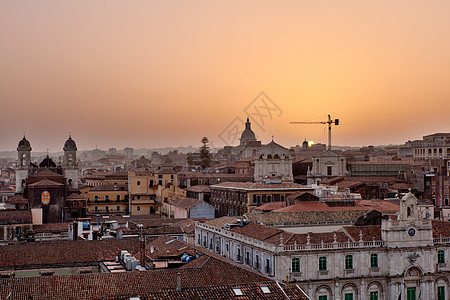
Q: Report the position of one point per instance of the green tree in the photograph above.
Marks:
(204, 154)
(190, 160)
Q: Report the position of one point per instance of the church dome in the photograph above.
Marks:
(305, 144)
(70, 145)
(47, 163)
(24, 145)
(248, 135)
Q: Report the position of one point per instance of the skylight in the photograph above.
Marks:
(265, 289)
(237, 292)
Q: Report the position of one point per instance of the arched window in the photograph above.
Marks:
(276, 156)
(441, 257)
(261, 156)
(322, 263)
(296, 265)
(269, 156)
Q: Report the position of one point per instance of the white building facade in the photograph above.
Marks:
(407, 256)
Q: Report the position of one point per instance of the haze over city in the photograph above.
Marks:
(153, 74)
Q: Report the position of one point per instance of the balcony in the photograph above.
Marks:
(442, 267)
(296, 274)
(349, 271)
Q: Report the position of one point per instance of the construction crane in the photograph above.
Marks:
(329, 122)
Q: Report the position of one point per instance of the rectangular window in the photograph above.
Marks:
(96, 198)
(441, 292)
(118, 198)
(373, 295)
(441, 257)
(348, 296)
(374, 260)
(322, 297)
(267, 265)
(348, 262)
(411, 293)
(118, 208)
(296, 265)
(322, 263)
(329, 170)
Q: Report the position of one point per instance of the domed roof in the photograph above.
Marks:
(305, 144)
(70, 145)
(47, 163)
(248, 134)
(24, 145)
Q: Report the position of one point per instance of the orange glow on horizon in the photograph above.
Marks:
(155, 74)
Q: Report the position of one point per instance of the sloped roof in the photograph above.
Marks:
(15, 217)
(52, 227)
(249, 291)
(440, 229)
(18, 199)
(272, 206)
(45, 183)
(199, 189)
(75, 197)
(65, 252)
(48, 173)
(212, 271)
(369, 233)
(259, 186)
(185, 203)
(305, 217)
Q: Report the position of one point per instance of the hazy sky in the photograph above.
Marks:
(166, 73)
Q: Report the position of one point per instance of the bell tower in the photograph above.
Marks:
(23, 164)
(409, 230)
(70, 166)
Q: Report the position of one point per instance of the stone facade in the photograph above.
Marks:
(407, 256)
(273, 161)
(327, 164)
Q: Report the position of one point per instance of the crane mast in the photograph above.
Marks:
(329, 122)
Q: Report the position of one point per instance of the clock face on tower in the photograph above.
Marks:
(411, 232)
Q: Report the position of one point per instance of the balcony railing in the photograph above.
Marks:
(289, 248)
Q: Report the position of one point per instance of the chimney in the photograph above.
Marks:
(178, 281)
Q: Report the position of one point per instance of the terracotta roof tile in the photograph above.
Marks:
(18, 199)
(440, 229)
(369, 233)
(15, 217)
(64, 252)
(185, 203)
(75, 197)
(210, 272)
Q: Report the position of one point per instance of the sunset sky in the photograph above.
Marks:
(166, 73)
